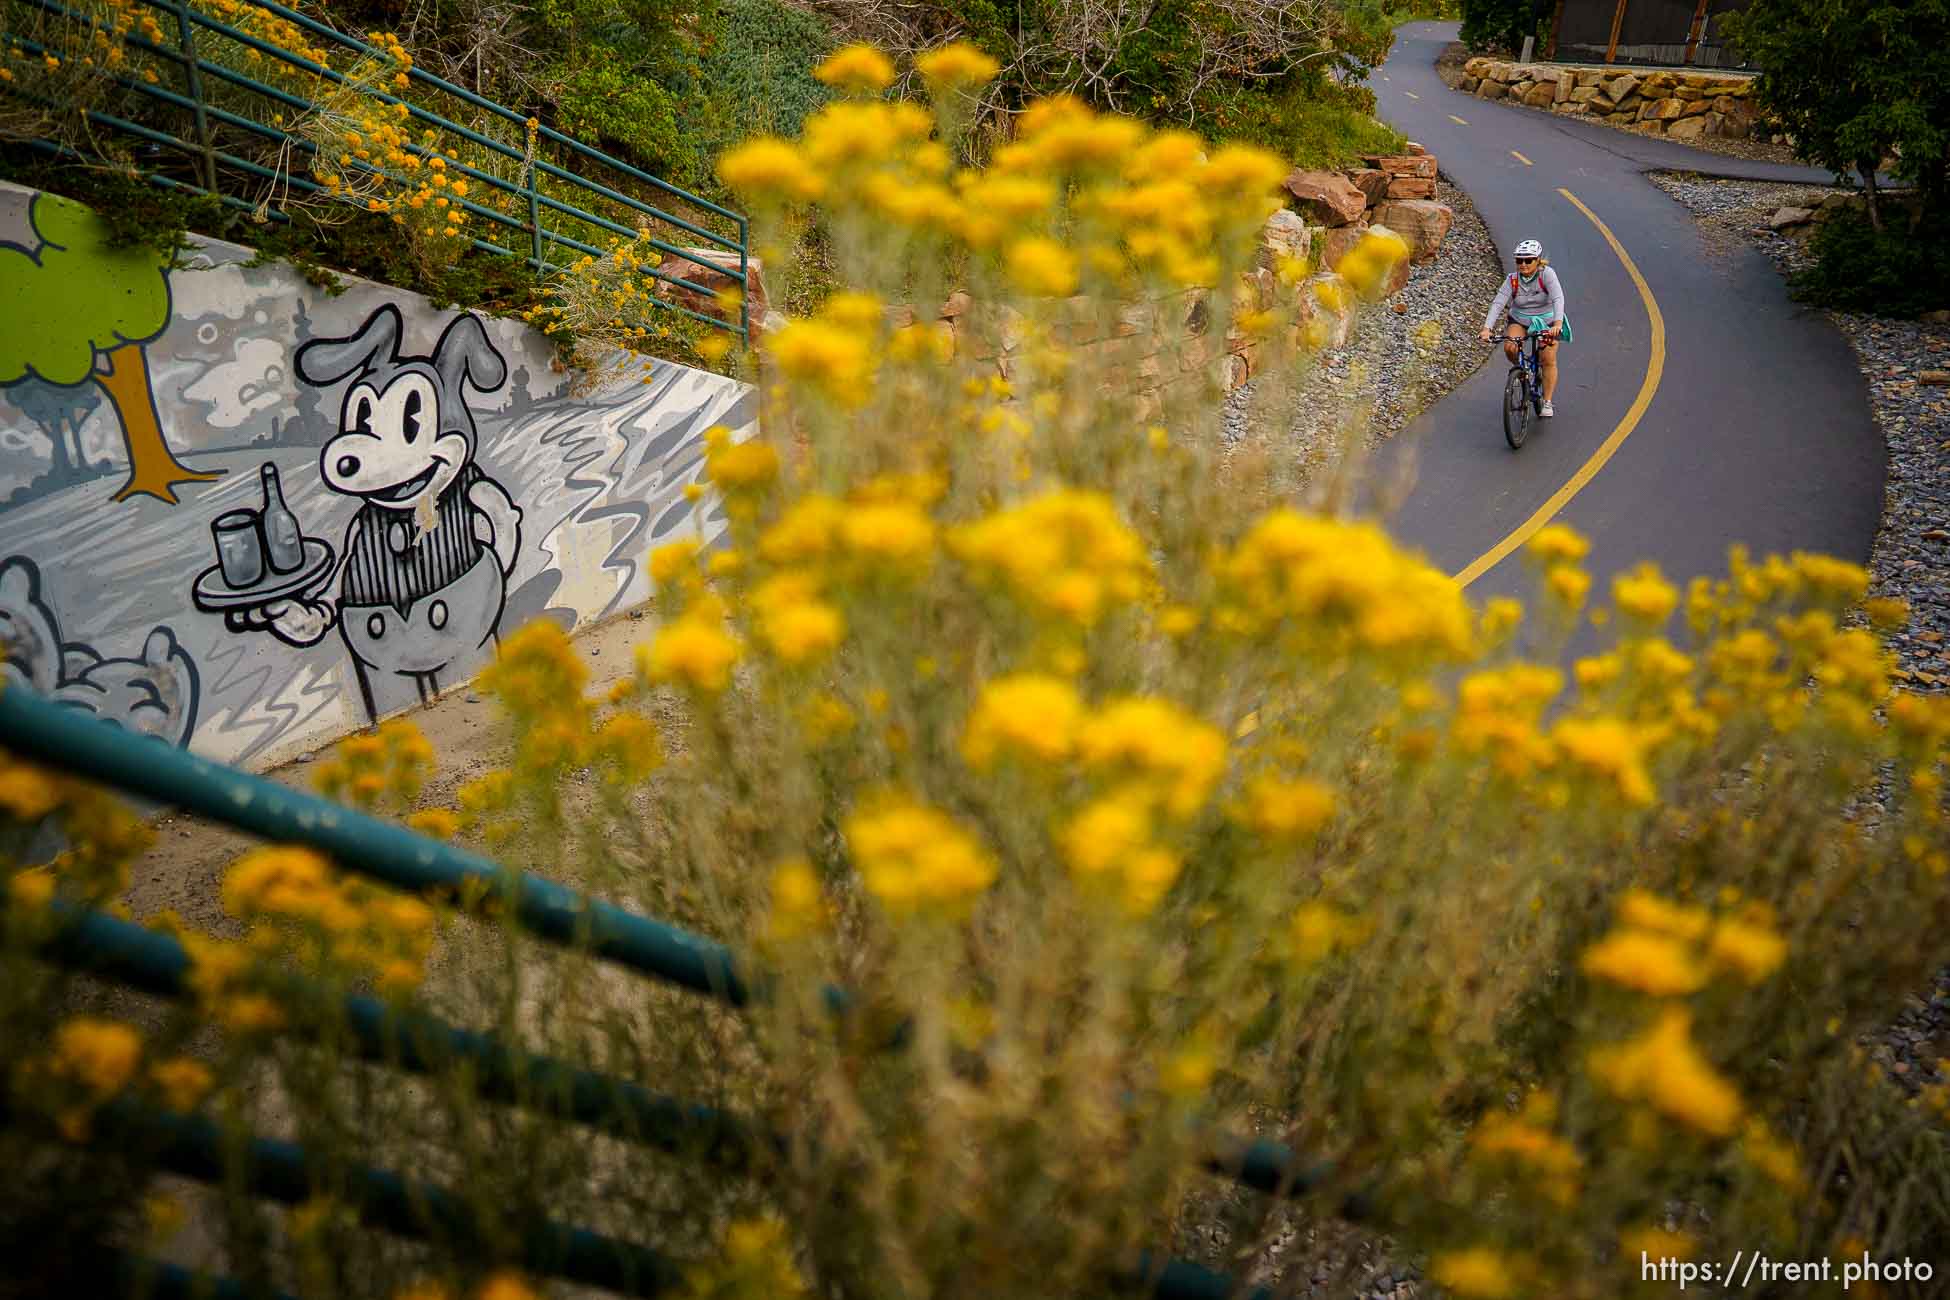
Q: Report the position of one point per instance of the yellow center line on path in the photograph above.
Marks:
(1411, 94)
(1655, 368)
(1520, 158)
(1457, 120)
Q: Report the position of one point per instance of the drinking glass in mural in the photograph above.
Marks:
(240, 547)
(284, 540)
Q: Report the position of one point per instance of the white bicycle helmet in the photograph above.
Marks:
(1529, 248)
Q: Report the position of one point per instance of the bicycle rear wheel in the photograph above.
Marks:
(1516, 409)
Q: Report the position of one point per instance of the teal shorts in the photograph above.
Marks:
(1530, 322)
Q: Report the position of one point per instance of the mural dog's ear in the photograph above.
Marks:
(465, 352)
(326, 361)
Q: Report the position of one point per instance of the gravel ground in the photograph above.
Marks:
(1448, 66)
(1381, 374)
(1911, 555)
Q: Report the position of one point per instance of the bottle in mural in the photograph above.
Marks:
(284, 541)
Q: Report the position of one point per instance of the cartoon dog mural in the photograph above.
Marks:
(154, 693)
(423, 577)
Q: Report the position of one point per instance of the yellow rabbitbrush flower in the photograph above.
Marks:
(1155, 741)
(1640, 959)
(957, 65)
(1326, 578)
(793, 621)
(912, 857)
(836, 363)
(738, 466)
(798, 901)
(1282, 809)
(1042, 268)
(1647, 911)
(1666, 1071)
(182, 1082)
(1614, 749)
(99, 1056)
(1477, 1273)
(1645, 594)
(1066, 554)
(1750, 949)
(694, 652)
(857, 68)
(1110, 849)
(1028, 715)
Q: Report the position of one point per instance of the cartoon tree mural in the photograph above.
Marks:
(75, 311)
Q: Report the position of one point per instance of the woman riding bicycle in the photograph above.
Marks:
(1534, 301)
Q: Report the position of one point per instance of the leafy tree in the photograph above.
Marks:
(1858, 82)
(1267, 71)
(1498, 24)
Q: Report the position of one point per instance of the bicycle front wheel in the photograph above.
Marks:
(1516, 410)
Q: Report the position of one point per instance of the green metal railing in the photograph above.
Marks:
(233, 156)
(403, 1037)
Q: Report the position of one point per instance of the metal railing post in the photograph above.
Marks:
(186, 41)
(745, 281)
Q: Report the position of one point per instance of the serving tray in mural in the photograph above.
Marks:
(212, 592)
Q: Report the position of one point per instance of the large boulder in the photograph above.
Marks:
(1687, 128)
(1469, 84)
(715, 269)
(1571, 108)
(1694, 107)
(1424, 223)
(1326, 197)
(1477, 66)
(1785, 217)
(1285, 235)
(1585, 94)
(1491, 89)
(1411, 187)
(1663, 110)
(1590, 77)
(1541, 95)
(1622, 86)
(1372, 182)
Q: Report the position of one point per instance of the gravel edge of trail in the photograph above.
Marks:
(1386, 372)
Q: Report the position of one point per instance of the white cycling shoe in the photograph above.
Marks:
(1547, 412)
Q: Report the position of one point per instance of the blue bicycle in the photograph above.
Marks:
(1523, 391)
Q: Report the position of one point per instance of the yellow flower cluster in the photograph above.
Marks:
(1065, 554)
(914, 858)
(1548, 1162)
(1111, 844)
(392, 761)
(1327, 586)
(1663, 1069)
(606, 302)
(1669, 949)
(346, 925)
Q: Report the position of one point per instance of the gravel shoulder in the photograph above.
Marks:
(1389, 370)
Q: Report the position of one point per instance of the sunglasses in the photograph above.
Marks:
(1526, 261)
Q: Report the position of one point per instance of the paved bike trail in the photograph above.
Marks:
(1757, 429)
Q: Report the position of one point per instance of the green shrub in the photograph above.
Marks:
(1498, 24)
(1902, 271)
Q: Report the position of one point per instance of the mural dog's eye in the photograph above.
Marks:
(410, 424)
(362, 416)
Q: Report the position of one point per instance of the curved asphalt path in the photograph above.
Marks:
(1757, 428)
